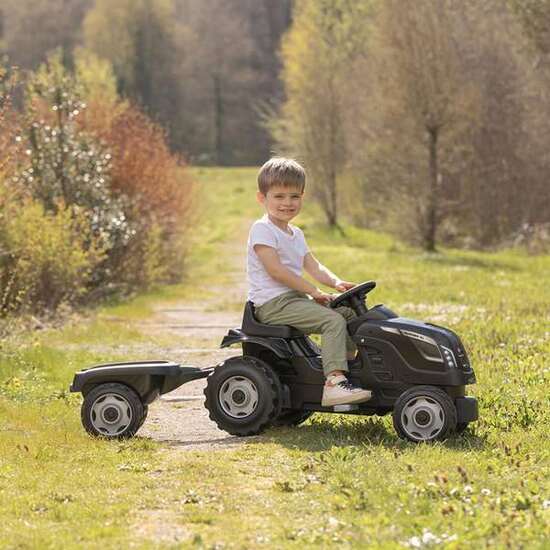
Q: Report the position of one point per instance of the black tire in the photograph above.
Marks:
(292, 417)
(424, 414)
(144, 415)
(112, 410)
(461, 427)
(243, 396)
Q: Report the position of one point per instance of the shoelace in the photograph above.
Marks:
(346, 385)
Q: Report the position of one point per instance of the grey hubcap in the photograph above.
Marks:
(422, 418)
(111, 414)
(238, 397)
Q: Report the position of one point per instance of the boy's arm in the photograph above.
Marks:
(276, 270)
(324, 275)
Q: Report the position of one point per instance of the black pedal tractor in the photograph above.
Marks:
(417, 371)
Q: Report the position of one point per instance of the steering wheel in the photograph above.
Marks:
(354, 297)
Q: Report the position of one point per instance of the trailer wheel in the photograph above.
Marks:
(112, 410)
(243, 396)
(424, 413)
(292, 417)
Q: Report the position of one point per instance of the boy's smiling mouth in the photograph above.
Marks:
(282, 204)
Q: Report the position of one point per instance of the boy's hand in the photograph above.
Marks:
(322, 297)
(342, 286)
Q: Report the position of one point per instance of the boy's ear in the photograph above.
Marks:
(260, 197)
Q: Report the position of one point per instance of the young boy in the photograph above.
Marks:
(277, 253)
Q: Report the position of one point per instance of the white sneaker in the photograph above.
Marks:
(339, 391)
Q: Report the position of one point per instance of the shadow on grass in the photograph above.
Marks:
(207, 443)
(456, 261)
(321, 433)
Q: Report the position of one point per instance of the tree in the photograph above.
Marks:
(157, 189)
(138, 38)
(229, 67)
(535, 18)
(324, 40)
(202, 68)
(424, 103)
(67, 167)
(217, 74)
(33, 28)
(490, 152)
(491, 181)
(95, 76)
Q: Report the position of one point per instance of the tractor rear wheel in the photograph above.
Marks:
(243, 396)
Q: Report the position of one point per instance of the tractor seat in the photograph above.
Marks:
(252, 327)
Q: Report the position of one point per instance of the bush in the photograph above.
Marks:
(45, 259)
(534, 237)
(8, 120)
(92, 198)
(65, 165)
(157, 186)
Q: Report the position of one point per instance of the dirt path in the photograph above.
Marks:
(179, 418)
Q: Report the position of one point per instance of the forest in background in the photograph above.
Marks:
(425, 119)
(204, 69)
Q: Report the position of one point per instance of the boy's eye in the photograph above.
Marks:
(281, 196)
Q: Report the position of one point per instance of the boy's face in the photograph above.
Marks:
(282, 203)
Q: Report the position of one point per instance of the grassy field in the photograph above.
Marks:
(335, 481)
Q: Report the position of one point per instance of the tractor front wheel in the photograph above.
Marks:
(423, 414)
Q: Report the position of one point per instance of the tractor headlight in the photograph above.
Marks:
(449, 357)
(426, 346)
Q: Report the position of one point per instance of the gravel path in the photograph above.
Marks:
(179, 418)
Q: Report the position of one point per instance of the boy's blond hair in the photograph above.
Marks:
(281, 171)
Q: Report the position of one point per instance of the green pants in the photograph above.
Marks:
(298, 310)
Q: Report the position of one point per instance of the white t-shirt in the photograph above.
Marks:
(291, 250)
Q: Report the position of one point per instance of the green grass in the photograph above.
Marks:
(337, 480)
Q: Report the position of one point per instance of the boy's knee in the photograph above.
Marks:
(336, 322)
(346, 312)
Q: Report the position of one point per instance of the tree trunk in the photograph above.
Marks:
(218, 122)
(333, 205)
(331, 220)
(331, 209)
(431, 211)
(332, 159)
(142, 69)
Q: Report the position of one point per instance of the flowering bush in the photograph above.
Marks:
(45, 259)
(66, 164)
(91, 197)
(8, 120)
(156, 184)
